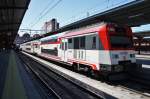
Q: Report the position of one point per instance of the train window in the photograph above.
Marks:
(70, 44)
(94, 42)
(70, 40)
(28, 44)
(100, 44)
(62, 46)
(82, 42)
(49, 41)
(28, 48)
(76, 43)
(65, 45)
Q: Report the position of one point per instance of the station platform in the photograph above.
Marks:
(144, 60)
(15, 82)
(144, 56)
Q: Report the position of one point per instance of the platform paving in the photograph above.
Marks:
(15, 82)
(13, 88)
(144, 60)
(3, 69)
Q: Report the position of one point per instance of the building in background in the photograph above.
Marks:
(50, 26)
(36, 35)
(21, 39)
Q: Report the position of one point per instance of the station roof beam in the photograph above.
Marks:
(11, 16)
(142, 34)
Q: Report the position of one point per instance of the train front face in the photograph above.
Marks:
(120, 51)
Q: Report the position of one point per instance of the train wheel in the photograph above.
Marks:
(94, 74)
(76, 67)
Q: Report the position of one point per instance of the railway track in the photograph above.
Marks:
(57, 84)
(129, 85)
(40, 82)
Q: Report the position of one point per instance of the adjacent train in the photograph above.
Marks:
(104, 48)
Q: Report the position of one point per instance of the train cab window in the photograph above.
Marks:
(82, 42)
(120, 31)
(121, 41)
(76, 43)
(94, 42)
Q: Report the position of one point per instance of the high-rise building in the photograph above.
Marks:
(50, 26)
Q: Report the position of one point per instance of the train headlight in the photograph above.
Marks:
(115, 56)
(132, 55)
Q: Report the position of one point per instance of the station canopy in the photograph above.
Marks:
(133, 14)
(142, 34)
(11, 15)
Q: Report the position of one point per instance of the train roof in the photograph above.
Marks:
(84, 30)
(52, 36)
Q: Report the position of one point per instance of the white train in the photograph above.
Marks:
(105, 48)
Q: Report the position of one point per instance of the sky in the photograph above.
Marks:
(66, 11)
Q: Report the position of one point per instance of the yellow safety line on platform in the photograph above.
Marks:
(13, 88)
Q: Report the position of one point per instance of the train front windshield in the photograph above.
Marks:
(118, 41)
(120, 38)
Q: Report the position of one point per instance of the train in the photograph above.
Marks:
(100, 49)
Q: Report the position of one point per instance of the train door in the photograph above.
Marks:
(33, 48)
(81, 54)
(64, 50)
(79, 48)
(82, 51)
(36, 48)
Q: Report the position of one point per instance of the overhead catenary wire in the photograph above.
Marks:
(87, 10)
(42, 11)
(50, 9)
(109, 4)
